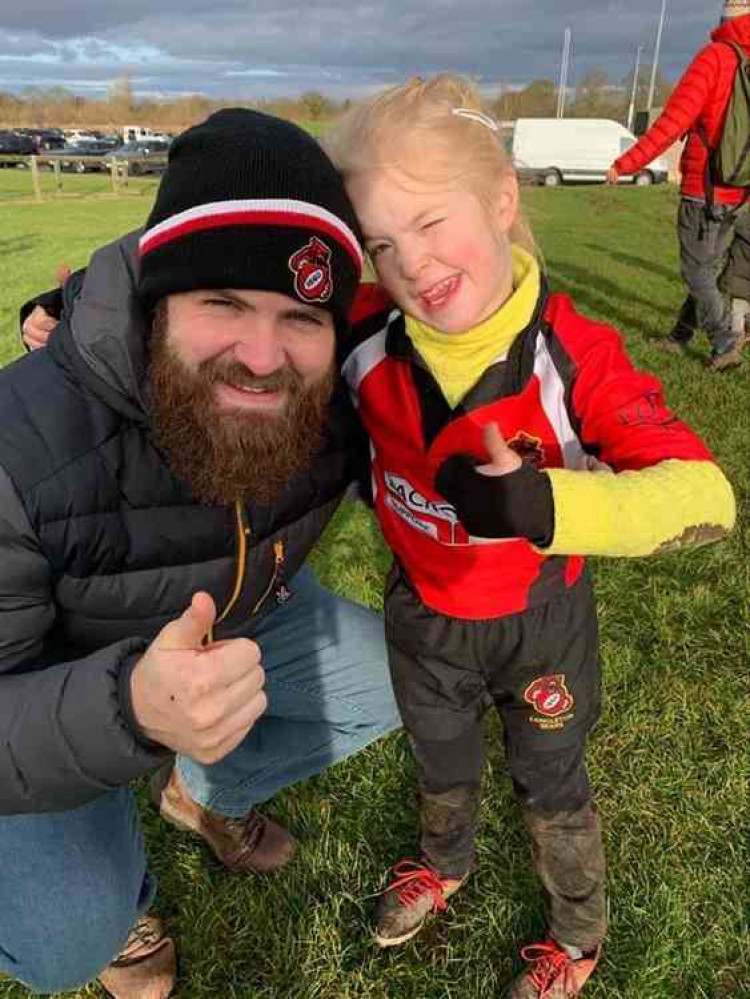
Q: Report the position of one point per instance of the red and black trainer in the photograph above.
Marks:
(415, 891)
(551, 973)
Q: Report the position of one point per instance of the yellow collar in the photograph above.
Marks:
(458, 360)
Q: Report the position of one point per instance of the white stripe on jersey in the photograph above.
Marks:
(552, 391)
(364, 358)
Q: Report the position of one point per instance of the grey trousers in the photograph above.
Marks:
(706, 237)
(736, 278)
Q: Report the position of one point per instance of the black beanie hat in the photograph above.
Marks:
(251, 201)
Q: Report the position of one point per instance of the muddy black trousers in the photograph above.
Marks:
(540, 669)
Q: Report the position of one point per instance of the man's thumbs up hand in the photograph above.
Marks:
(191, 628)
(501, 498)
(199, 700)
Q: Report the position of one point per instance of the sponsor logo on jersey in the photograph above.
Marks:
(437, 518)
(405, 513)
(415, 501)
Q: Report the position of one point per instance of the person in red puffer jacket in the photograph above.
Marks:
(707, 220)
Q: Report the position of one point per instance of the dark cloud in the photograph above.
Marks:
(286, 46)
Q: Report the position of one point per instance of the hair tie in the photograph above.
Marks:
(480, 116)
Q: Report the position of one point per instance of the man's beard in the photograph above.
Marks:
(232, 455)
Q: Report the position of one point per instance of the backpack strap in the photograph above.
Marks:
(708, 179)
(741, 54)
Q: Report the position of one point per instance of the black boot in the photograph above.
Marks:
(683, 330)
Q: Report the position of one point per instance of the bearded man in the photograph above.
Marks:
(186, 446)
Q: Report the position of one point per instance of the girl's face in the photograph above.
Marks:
(441, 253)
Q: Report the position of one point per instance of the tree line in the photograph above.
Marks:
(595, 95)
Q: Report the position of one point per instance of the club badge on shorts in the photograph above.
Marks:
(311, 266)
(551, 700)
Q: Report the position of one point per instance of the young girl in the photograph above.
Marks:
(498, 415)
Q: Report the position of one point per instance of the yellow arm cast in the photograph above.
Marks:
(666, 507)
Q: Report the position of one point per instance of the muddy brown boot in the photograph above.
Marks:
(146, 967)
(731, 358)
(251, 843)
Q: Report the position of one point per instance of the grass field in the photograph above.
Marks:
(669, 759)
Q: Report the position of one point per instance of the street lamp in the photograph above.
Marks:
(636, 71)
(657, 49)
(564, 66)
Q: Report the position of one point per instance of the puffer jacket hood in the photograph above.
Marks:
(110, 329)
(736, 29)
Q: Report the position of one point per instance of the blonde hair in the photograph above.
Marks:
(435, 131)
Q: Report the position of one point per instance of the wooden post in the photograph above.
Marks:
(113, 172)
(35, 178)
(58, 173)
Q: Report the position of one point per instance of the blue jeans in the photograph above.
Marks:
(73, 883)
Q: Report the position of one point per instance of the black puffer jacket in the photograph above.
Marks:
(100, 546)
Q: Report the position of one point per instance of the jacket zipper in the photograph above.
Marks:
(243, 533)
(278, 563)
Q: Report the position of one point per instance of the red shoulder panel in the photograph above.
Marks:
(369, 301)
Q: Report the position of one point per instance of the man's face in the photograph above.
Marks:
(239, 386)
(255, 336)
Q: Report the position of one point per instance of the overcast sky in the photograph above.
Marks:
(268, 48)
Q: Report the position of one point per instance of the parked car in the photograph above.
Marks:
(83, 157)
(109, 139)
(143, 157)
(16, 145)
(73, 136)
(44, 138)
(553, 151)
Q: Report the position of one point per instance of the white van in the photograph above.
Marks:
(135, 133)
(550, 151)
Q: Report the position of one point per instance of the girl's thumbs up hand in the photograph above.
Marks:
(502, 458)
(501, 498)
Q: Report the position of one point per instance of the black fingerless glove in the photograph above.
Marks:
(517, 505)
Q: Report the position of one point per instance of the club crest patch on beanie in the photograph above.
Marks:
(251, 201)
(312, 268)
(735, 8)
